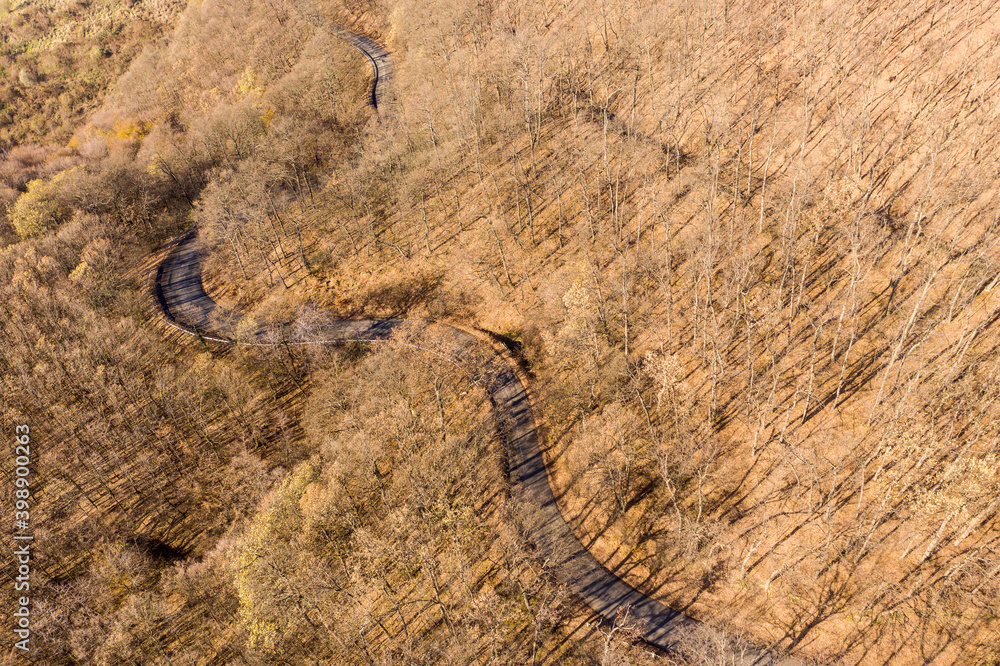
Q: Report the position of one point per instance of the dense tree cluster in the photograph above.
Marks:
(747, 251)
(59, 58)
(174, 482)
(751, 262)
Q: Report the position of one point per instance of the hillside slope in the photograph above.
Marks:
(747, 252)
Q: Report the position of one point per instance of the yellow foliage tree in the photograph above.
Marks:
(37, 210)
(263, 553)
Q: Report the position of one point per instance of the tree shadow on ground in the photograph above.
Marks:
(399, 297)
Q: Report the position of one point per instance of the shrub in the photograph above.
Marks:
(38, 210)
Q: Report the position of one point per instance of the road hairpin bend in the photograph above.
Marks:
(179, 293)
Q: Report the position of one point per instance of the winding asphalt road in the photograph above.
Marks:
(180, 294)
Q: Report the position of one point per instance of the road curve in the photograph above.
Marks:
(180, 295)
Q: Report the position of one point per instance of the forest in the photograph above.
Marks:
(745, 253)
